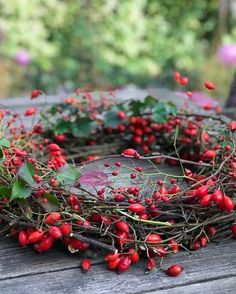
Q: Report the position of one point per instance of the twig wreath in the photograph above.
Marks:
(171, 187)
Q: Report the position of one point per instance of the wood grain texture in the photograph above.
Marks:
(222, 286)
(23, 271)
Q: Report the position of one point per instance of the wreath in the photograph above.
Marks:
(170, 184)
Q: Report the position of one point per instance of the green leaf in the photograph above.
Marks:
(111, 119)
(150, 101)
(4, 143)
(161, 110)
(68, 175)
(172, 108)
(20, 190)
(160, 114)
(26, 172)
(83, 127)
(136, 107)
(53, 202)
(51, 198)
(5, 191)
(227, 142)
(62, 126)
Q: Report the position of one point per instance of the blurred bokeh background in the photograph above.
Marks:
(57, 45)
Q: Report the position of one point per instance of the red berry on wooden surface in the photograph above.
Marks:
(23, 238)
(85, 265)
(124, 264)
(174, 270)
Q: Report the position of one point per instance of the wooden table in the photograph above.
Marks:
(22, 271)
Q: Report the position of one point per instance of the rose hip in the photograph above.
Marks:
(174, 270)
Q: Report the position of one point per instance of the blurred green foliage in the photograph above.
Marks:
(105, 42)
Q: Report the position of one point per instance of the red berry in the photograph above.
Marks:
(207, 106)
(23, 238)
(174, 246)
(137, 140)
(30, 111)
(217, 196)
(118, 164)
(121, 238)
(45, 244)
(65, 229)
(211, 231)
(111, 256)
(139, 169)
(206, 200)
(233, 229)
(55, 232)
(232, 125)
(133, 176)
(52, 218)
(184, 81)
(209, 154)
(174, 270)
(35, 237)
(75, 244)
(153, 238)
(85, 265)
(54, 147)
(151, 263)
(121, 115)
(137, 208)
(134, 256)
(228, 203)
(177, 76)
(196, 246)
(111, 265)
(35, 94)
(60, 138)
(202, 191)
(130, 153)
(209, 85)
(124, 264)
(189, 94)
(119, 197)
(122, 226)
(203, 241)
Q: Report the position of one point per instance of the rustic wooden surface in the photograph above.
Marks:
(22, 271)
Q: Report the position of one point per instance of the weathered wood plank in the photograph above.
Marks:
(221, 286)
(58, 272)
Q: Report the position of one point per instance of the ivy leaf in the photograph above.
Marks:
(82, 127)
(5, 191)
(4, 143)
(62, 127)
(68, 175)
(160, 114)
(161, 110)
(111, 119)
(172, 108)
(20, 190)
(26, 172)
(136, 107)
(150, 101)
